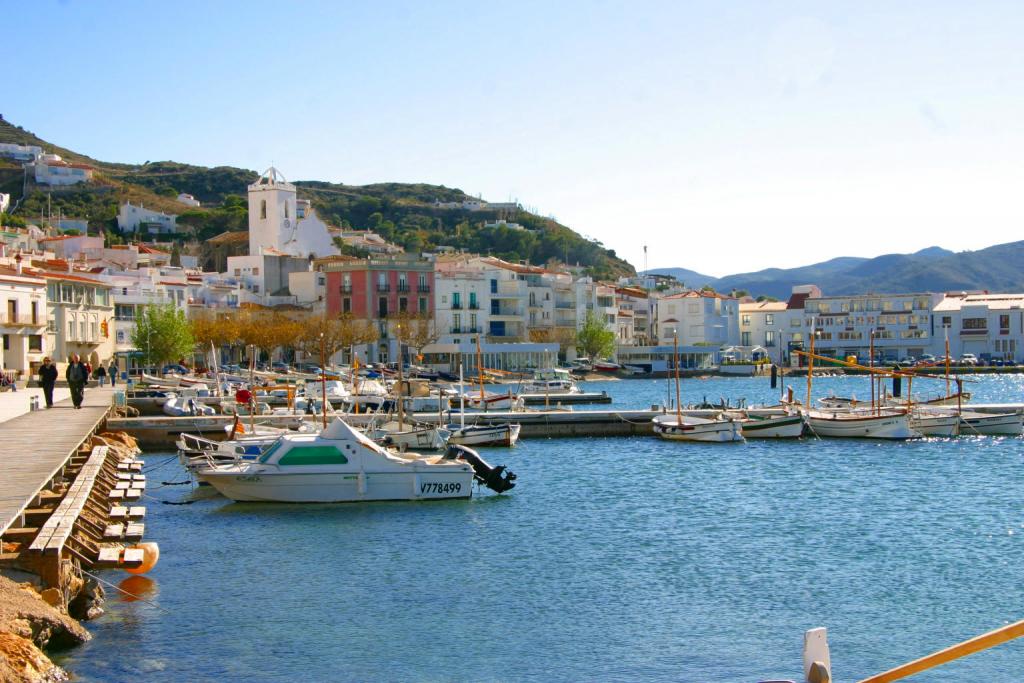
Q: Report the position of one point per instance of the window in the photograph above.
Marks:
(255, 271)
(457, 322)
(403, 303)
(382, 307)
(975, 324)
(81, 330)
(769, 338)
(346, 305)
(94, 329)
(423, 304)
(472, 321)
(286, 210)
(238, 271)
(745, 338)
(947, 321)
(35, 314)
(456, 301)
(255, 289)
(263, 209)
(1004, 321)
(35, 343)
(745, 320)
(12, 310)
(769, 319)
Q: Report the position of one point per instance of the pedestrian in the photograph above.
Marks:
(100, 374)
(77, 376)
(112, 371)
(88, 369)
(47, 378)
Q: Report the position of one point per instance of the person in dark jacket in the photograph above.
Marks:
(76, 375)
(47, 378)
(100, 373)
(112, 371)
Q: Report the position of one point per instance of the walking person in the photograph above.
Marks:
(47, 378)
(100, 374)
(77, 376)
(112, 371)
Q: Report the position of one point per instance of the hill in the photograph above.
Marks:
(934, 269)
(403, 213)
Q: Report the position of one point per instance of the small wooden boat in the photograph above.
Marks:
(991, 424)
(690, 428)
(885, 423)
(769, 426)
(484, 435)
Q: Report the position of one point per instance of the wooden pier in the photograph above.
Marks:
(61, 495)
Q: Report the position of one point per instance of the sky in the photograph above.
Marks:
(727, 137)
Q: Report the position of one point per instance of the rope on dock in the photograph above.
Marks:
(641, 422)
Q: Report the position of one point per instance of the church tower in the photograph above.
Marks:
(272, 219)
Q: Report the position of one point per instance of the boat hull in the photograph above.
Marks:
(1007, 424)
(503, 435)
(935, 425)
(851, 426)
(695, 429)
(342, 487)
(781, 427)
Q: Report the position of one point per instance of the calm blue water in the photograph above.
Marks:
(614, 560)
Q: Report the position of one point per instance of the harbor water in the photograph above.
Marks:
(615, 559)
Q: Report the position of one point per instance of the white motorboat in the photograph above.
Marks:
(690, 428)
(781, 425)
(886, 423)
(489, 401)
(182, 406)
(404, 437)
(991, 424)
(343, 465)
(551, 381)
(484, 435)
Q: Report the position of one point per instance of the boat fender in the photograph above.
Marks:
(151, 555)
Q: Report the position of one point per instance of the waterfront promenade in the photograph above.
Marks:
(37, 444)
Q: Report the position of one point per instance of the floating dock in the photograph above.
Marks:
(62, 498)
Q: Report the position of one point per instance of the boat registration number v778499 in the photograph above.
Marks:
(438, 487)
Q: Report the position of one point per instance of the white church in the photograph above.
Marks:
(285, 235)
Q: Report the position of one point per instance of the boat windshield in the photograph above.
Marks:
(267, 454)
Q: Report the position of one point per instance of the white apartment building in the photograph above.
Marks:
(131, 292)
(50, 169)
(22, 321)
(70, 246)
(762, 324)
(991, 326)
(80, 316)
(20, 152)
(898, 324)
(133, 218)
(5, 202)
(639, 305)
(700, 318)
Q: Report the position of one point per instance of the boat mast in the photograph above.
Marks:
(323, 379)
(810, 366)
(946, 330)
(462, 401)
(480, 371)
(675, 361)
(399, 393)
(871, 364)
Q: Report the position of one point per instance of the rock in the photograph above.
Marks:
(52, 597)
(22, 662)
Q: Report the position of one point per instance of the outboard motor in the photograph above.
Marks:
(499, 479)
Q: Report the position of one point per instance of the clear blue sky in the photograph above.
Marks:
(726, 136)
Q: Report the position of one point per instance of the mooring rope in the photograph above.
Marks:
(116, 587)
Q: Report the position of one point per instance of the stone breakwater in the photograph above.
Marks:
(34, 619)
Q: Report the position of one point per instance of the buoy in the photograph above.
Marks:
(151, 555)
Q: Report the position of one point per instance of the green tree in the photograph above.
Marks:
(176, 255)
(594, 340)
(162, 334)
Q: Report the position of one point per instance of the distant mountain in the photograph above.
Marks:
(403, 213)
(690, 278)
(996, 268)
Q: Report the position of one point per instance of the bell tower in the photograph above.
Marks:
(272, 220)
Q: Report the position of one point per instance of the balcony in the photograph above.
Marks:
(474, 306)
(26, 320)
(423, 288)
(465, 330)
(345, 289)
(565, 304)
(383, 287)
(974, 332)
(456, 330)
(403, 287)
(456, 305)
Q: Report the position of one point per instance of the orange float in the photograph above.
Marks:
(151, 555)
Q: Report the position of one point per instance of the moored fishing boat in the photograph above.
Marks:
(690, 428)
(885, 423)
(991, 424)
(484, 435)
(931, 422)
(343, 465)
(784, 425)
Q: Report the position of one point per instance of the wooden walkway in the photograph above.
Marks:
(35, 447)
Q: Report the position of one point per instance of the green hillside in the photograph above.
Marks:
(400, 212)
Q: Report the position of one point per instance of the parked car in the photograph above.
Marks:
(907, 360)
(968, 359)
(280, 367)
(175, 368)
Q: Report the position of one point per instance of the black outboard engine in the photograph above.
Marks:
(499, 479)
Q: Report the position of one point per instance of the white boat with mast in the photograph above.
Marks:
(480, 435)
(681, 427)
(876, 423)
(405, 436)
(491, 401)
